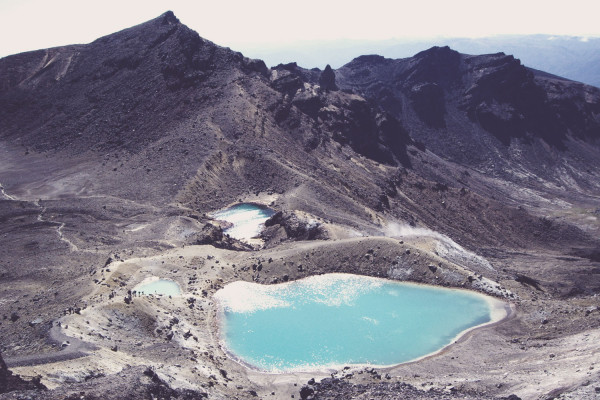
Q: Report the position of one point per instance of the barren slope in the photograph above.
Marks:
(449, 169)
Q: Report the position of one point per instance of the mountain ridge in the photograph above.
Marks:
(471, 111)
(568, 56)
(115, 155)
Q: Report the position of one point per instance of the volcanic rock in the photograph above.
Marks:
(294, 226)
(475, 163)
(213, 235)
(10, 382)
(327, 79)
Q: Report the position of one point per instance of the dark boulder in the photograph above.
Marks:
(327, 79)
(287, 78)
(296, 227)
(210, 234)
(526, 280)
(306, 392)
(214, 235)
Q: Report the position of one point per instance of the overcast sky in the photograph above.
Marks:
(34, 24)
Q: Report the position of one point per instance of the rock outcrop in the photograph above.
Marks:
(346, 118)
(214, 235)
(288, 225)
(10, 382)
(470, 109)
(327, 79)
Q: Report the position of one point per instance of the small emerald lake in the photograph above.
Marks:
(247, 219)
(157, 286)
(333, 320)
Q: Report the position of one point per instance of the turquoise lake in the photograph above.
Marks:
(333, 320)
(163, 287)
(247, 219)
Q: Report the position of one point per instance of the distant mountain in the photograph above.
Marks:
(472, 109)
(137, 100)
(571, 57)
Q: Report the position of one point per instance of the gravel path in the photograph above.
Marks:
(75, 348)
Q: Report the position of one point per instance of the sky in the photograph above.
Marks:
(35, 24)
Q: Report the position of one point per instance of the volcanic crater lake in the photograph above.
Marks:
(333, 320)
(156, 286)
(247, 219)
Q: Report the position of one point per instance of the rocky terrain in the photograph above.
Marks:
(449, 169)
(572, 57)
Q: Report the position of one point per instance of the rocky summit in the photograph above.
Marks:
(466, 171)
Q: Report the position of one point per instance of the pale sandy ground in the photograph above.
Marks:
(484, 358)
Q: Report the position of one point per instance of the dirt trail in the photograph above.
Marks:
(73, 348)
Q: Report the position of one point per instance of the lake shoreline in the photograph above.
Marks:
(498, 312)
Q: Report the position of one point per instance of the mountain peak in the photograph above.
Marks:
(437, 51)
(440, 56)
(371, 59)
(168, 18)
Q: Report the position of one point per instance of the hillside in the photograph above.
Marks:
(115, 153)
